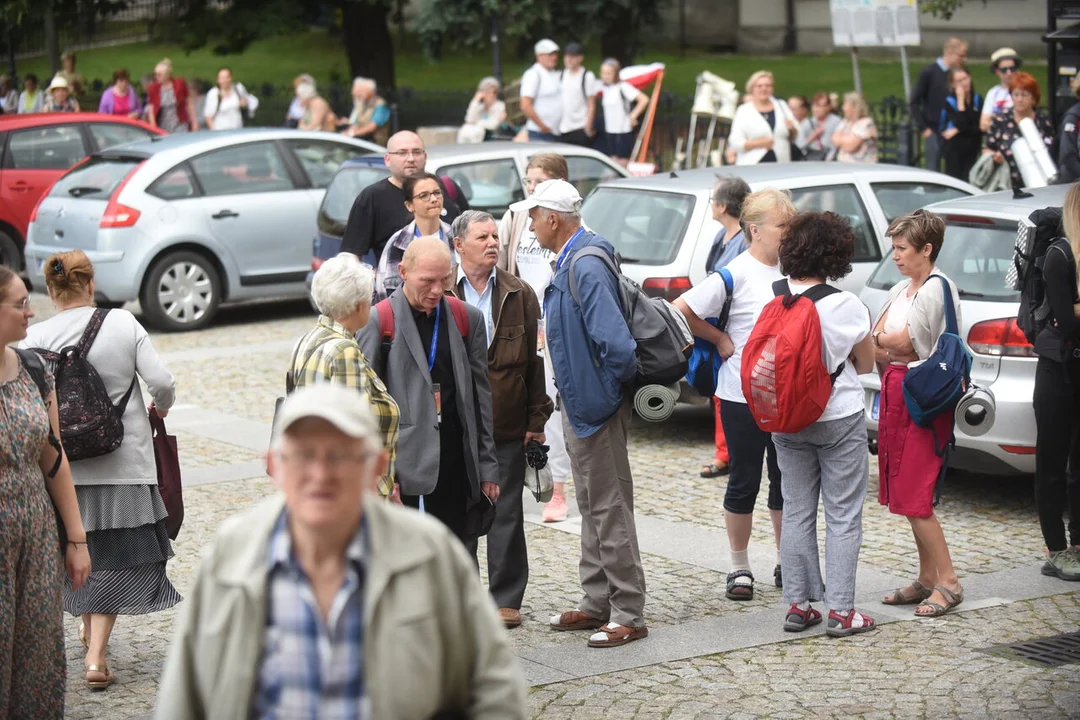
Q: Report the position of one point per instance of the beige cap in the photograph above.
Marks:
(345, 409)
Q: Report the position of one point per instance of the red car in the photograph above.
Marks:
(36, 150)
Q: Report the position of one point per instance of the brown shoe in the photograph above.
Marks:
(575, 620)
(511, 618)
(612, 635)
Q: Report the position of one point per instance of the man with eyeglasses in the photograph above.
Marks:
(928, 99)
(1003, 63)
(379, 210)
(322, 601)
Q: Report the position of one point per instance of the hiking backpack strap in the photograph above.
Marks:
(589, 251)
(35, 366)
(461, 315)
(725, 312)
(386, 328)
(781, 288)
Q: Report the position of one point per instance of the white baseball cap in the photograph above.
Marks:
(546, 46)
(345, 409)
(557, 195)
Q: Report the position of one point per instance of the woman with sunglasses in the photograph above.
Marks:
(1003, 63)
(424, 200)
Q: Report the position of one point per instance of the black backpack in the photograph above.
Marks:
(1037, 236)
(663, 337)
(90, 425)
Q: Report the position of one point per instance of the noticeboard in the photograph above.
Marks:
(874, 23)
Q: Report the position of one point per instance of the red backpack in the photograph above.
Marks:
(784, 378)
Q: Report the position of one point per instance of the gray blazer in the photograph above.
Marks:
(405, 372)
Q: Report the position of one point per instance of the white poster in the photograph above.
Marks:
(874, 23)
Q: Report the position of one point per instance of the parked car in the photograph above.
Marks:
(36, 150)
(489, 175)
(662, 225)
(979, 238)
(186, 222)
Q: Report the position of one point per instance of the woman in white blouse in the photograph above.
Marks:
(764, 127)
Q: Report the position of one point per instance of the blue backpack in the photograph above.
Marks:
(705, 360)
(936, 386)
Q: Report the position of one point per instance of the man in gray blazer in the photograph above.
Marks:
(437, 371)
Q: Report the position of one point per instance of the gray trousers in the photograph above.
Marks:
(933, 150)
(612, 578)
(827, 459)
(507, 557)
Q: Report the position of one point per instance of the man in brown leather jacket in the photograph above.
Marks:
(519, 398)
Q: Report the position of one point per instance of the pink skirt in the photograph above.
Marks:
(908, 464)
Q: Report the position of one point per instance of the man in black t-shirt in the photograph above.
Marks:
(379, 210)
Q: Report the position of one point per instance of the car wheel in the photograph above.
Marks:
(9, 252)
(182, 292)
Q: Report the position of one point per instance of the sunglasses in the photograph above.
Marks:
(1007, 69)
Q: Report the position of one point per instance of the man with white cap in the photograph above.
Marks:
(593, 353)
(1003, 63)
(324, 602)
(541, 93)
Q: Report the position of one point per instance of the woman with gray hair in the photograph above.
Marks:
(485, 114)
(856, 136)
(317, 112)
(342, 289)
(370, 117)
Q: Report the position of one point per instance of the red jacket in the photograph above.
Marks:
(180, 89)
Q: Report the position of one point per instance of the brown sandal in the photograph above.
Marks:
(937, 609)
(914, 593)
(99, 684)
(612, 635)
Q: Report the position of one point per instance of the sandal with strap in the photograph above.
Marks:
(99, 684)
(844, 625)
(937, 609)
(739, 589)
(914, 593)
(612, 635)
(713, 470)
(798, 619)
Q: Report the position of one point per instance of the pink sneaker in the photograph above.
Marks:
(555, 509)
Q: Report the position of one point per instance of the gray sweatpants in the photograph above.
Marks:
(827, 459)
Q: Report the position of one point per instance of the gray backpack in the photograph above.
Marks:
(663, 337)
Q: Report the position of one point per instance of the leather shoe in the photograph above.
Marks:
(511, 618)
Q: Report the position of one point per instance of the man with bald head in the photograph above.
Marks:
(379, 210)
(431, 352)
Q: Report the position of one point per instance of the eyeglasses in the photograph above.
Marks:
(331, 461)
(408, 153)
(23, 305)
(428, 195)
(1006, 69)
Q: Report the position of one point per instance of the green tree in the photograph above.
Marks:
(942, 8)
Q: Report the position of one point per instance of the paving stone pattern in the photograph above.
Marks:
(904, 669)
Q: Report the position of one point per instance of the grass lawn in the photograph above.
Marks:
(278, 60)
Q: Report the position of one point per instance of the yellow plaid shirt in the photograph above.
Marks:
(330, 354)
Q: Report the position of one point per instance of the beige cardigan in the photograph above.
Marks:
(926, 318)
(432, 638)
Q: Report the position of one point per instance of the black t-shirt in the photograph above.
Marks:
(1059, 276)
(379, 211)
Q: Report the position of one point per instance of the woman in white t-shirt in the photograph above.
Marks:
(764, 215)
(521, 255)
(623, 106)
(829, 458)
(227, 102)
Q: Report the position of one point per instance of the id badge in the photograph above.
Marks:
(541, 338)
(436, 391)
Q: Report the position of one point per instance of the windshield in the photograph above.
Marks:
(343, 190)
(975, 257)
(644, 226)
(95, 179)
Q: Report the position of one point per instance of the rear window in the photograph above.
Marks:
(94, 180)
(644, 226)
(975, 257)
(339, 198)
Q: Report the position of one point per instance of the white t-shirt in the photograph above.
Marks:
(534, 262)
(229, 114)
(998, 99)
(543, 86)
(615, 101)
(845, 321)
(752, 291)
(575, 99)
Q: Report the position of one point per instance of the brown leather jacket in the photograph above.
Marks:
(519, 399)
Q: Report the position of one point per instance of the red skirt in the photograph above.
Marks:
(908, 464)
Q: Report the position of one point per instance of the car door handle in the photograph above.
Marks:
(221, 215)
(20, 187)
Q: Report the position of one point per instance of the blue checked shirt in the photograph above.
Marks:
(310, 668)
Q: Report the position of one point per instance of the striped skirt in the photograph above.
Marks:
(129, 546)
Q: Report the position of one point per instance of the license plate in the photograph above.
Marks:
(875, 408)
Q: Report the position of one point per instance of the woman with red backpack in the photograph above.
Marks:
(827, 458)
(911, 459)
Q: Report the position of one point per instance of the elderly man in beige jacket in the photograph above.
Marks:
(324, 602)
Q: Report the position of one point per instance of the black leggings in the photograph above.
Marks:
(748, 446)
(1057, 451)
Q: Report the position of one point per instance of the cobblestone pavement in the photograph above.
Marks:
(904, 669)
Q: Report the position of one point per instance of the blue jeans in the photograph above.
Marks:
(535, 136)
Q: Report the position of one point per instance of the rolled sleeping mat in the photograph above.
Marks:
(1028, 166)
(656, 403)
(976, 411)
(1038, 148)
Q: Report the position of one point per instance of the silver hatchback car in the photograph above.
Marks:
(186, 222)
(978, 250)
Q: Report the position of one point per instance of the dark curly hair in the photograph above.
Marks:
(817, 245)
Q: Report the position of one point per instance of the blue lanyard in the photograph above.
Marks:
(566, 250)
(434, 339)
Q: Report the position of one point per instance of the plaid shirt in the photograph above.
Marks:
(310, 668)
(330, 354)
